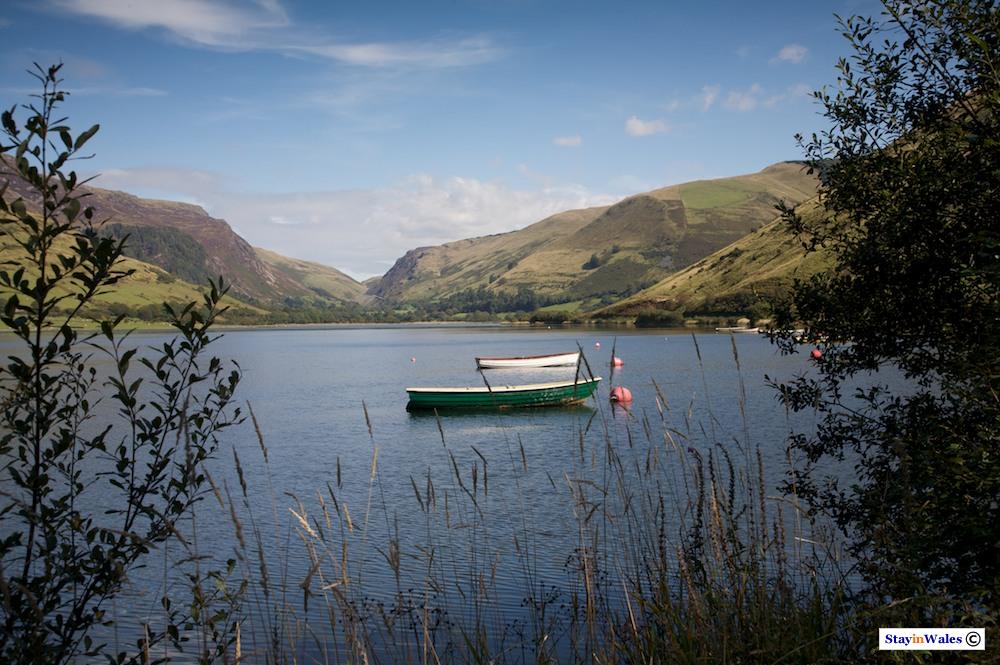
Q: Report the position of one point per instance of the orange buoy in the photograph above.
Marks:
(617, 362)
(621, 395)
(816, 354)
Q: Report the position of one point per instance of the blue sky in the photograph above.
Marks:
(347, 133)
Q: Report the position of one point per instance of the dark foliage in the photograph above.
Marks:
(911, 185)
(101, 446)
(488, 301)
(173, 250)
(619, 278)
(652, 317)
(549, 317)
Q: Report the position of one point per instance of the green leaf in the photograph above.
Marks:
(72, 209)
(11, 306)
(9, 125)
(85, 136)
(19, 208)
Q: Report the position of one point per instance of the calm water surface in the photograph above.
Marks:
(309, 389)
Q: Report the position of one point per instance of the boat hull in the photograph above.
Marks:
(559, 393)
(551, 360)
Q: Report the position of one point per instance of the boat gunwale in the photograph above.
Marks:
(575, 354)
(554, 385)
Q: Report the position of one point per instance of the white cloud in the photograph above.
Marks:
(433, 54)
(89, 91)
(88, 77)
(206, 22)
(568, 141)
(793, 53)
(361, 231)
(539, 179)
(738, 100)
(282, 221)
(800, 90)
(744, 100)
(702, 101)
(264, 25)
(119, 91)
(794, 93)
(636, 127)
(709, 94)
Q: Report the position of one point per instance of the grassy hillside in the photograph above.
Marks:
(587, 255)
(324, 281)
(747, 274)
(141, 295)
(580, 259)
(489, 261)
(184, 242)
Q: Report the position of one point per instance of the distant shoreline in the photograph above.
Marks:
(148, 327)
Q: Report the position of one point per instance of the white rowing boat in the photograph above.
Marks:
(550, 360)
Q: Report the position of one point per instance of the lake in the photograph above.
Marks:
(484, 506)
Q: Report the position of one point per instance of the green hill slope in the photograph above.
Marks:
(186, 242)
(756, 269)
(323, 281)
(431, 272)
(609, 251)
(141, 295)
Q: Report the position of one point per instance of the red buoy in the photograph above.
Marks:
(597, 345)
(413, 359)
(816, 354)
(617, 362)
(621, 394)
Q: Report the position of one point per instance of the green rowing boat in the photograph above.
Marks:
(559, 393)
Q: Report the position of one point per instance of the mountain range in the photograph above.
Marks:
(594, 254)
(682, 246)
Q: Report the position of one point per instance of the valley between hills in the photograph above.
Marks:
(709, 250)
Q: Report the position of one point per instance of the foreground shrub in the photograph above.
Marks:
(910, 173)
(98, 468)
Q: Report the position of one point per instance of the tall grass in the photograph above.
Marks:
(680, 555)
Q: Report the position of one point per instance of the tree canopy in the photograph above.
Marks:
(910, 173)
